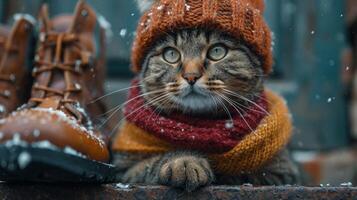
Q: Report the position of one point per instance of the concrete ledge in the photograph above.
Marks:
(119, 191)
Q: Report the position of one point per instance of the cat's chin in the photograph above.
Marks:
(196, 104)
(191, 92)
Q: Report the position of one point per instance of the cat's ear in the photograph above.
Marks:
(144, 5)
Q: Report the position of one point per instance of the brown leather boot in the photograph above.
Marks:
(14, 70)
(68, 75)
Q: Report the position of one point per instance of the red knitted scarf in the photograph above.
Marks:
(209, 135)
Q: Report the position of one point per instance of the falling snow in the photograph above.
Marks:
(188, 7)
(123, 32)
(229, 125)
(329, 100)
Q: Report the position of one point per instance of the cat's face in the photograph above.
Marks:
(200, 72)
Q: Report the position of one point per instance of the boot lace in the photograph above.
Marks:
(58, 41)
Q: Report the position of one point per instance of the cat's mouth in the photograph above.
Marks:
(195, 100)
(193, 91)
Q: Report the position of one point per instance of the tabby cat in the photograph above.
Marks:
(201, 73)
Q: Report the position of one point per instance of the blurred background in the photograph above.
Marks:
(315, 46)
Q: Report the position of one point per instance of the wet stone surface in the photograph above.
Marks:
(123, 191)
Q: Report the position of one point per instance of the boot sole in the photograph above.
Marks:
(19, 163)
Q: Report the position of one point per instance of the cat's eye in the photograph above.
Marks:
(217, 52)
(171, 55)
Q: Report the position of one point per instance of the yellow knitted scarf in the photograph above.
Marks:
(250, 154)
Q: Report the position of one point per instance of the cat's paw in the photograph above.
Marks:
(186, 172)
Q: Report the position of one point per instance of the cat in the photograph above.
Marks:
(188, 66)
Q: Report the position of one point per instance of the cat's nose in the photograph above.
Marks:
(191, 78)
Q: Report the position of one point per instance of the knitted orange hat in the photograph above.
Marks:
(242, 19)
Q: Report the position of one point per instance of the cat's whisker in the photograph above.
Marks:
(171, 104)
(246, 99)
(160, 108)
(249, 101)
(259, 74)
(109, 111)
(154, 101)
(215, 87)
(214, 101)
(143, 80)
(157, 104)
(119, 107)
(225, 108)
(130, 100)
(239, 105)
(156, 107)
(133, 112)
(172, 87)
(172, 84)
(230, 103)
(151, 102)
(253, 131)
(216, 82)
(173, 91)
(261, 98)
(111, 93)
